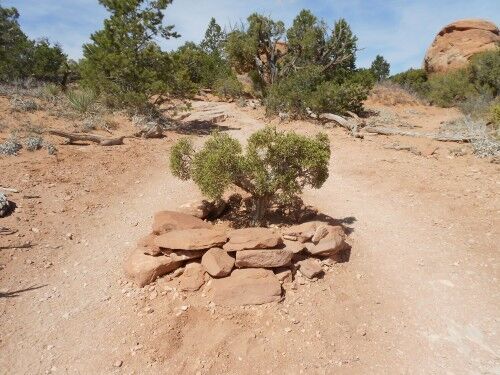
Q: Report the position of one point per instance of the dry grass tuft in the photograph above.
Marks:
(390, 94)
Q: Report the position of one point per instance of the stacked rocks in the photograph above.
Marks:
(247, 265)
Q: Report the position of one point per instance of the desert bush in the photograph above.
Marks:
(22, 104)
(413, 80)
(275, 167)
(338, 98)
(448, 89)
(484, 71)
(82, 100)
(51, 91)
(10, 147)
(228, 87)
(390, 93)
(483, 142)
(476, 104)
(33, 143)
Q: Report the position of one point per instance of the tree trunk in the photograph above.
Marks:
(261, 204)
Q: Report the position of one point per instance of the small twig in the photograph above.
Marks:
(10, 190)
(21, 246)
(31, 196)
(7, 231)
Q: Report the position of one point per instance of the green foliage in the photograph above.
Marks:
(123, 61)
(275, 167)
(494, 114)
(448, 89)
(228, 87)
(335, 98)
(21, 57)
(485, 71)
(414, 80)
(214, 40)
(82, 100)
(380, 68)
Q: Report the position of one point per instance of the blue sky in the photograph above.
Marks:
(397, 29)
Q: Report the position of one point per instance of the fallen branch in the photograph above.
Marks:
(150, 132)
(10, 190)
(351, 124)
(7, 231)
(81, 137)
(437, 137)
(21, 246)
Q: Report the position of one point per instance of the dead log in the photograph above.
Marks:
(406, 133)
(83, 137)
(150, 132)
(351, 124)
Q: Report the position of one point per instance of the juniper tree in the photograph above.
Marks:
(123, 60)
(215, 37)
(380, 68)
(276, 166)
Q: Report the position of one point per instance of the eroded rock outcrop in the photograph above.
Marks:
(457, 42)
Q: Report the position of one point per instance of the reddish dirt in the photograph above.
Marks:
(419, 294)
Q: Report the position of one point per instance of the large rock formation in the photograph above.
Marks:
(457, 42)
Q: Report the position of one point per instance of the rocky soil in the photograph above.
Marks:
(418, 294)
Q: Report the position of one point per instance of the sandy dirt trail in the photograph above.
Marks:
(419, 295)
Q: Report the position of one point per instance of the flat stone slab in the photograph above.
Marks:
(166, 221)
(249, 286)
(144, 269)
(253, 238)
(268, 258)
(191, 239)
(217, 262)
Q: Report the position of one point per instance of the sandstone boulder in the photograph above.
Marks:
(331, 244)
(268, 258)
(181, 255)
(217, 262)
(249, 286)
(310, 268)
(284, 275)
(457, 42)
(294, 246)
(302, 232)
(144, 269)
(253, 238)
(204, 209)
(166, 221)
(192, 278)
(191, 239)
(149, 246)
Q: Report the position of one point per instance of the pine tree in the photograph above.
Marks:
(213, 43)
(380, 68)
(123, 61)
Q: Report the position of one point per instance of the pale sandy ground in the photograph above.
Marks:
(419, 295)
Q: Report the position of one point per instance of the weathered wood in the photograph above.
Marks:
(352, 124)
(437, 137)
(83, 137)
(10, 190)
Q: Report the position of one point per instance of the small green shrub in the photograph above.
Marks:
(448, 89)
(275, 167)
(51, 91)
(485, 71)
(335, 98)
(82, 100)
(413, 80)
(228, 87)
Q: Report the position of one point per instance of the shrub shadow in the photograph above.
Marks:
(201, 127)
(16, 293)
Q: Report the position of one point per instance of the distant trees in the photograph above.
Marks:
(380, 68)
(123, 60)
(313, 68)
(21, 58)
